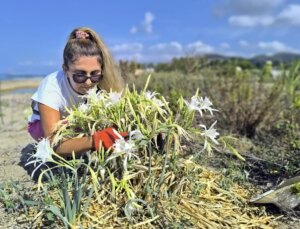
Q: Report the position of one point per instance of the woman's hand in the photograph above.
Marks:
(107, 138)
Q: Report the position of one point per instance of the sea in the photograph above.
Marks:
(4, 77)
(10, 77)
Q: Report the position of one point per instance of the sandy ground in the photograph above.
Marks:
(13, 136)
(14, 144)
(9, 85)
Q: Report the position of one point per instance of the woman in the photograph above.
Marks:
(87, 64)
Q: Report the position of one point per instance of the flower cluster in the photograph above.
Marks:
(144, 116)
(200, 104)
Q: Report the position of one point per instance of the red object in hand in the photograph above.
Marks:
(107, 137)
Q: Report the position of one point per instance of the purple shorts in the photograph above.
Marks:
(35, 130)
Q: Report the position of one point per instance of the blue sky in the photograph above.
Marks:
(34, 32)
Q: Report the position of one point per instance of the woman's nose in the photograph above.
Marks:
(88, 81)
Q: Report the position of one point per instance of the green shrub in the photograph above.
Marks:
(245, 102)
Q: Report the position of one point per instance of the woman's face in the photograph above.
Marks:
(84, 66)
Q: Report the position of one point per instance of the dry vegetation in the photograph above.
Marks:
(177, 188)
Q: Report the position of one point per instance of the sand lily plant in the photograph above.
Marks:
(133, 181)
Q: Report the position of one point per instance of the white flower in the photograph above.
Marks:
(83, 107)
(238, 69)
(149, 94)
(200, 104)
(42, 155)
(205, 104)
(114, 97)
(123, 147)
(102, 172)
(136, 135)
(193, 105)
(91, 94)
(210, 133)
(158, 102)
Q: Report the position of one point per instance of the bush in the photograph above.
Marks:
(244, 101)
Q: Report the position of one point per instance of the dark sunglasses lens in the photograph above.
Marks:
(96, 78)
(82, 78)
(79, 78)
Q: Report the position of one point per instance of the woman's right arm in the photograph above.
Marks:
(49, 120)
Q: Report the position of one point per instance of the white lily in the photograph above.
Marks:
(210, 133)
(43, 154)
(193, 105)
(91, 94)
(83, 107)
(149, 94)
(136, 135)
(200, 104)
(102, 172)
(158, 102)
(114, 97)
(205, 104)
(123, 147)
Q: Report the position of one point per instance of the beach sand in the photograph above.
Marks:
(15, 142)
(11, 85)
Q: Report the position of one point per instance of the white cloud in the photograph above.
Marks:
(127, 47)
(165, 57)
(225, 45)
(199, 48)
(275, 46)
(251, 7)
(49, 63)
(131, 57)
(243, 43)
(147, 23)
(133, 30)
(290, 15)
(155, 53)
(172, 47)
(145, 26)
(251, 21)
(161, 52)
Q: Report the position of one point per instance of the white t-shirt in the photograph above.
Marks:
(56, 92)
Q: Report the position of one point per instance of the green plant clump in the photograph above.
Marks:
(137, 182)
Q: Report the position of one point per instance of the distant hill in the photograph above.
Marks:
(259, 60)
(276, 58)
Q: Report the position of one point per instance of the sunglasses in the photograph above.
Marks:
(81, 78)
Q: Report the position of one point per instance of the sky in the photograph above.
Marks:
(34, 32)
